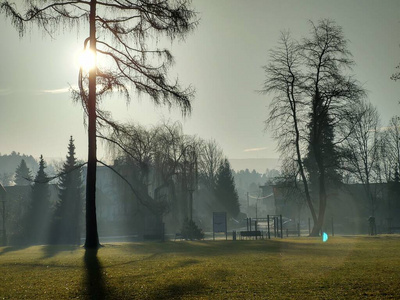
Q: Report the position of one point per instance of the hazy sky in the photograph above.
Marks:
(222, 59)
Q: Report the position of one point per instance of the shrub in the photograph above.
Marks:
(190, 231)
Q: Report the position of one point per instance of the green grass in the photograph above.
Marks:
(292, 268)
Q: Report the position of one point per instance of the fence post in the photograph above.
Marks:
(255, 228)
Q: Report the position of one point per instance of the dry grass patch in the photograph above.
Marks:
(301, 268)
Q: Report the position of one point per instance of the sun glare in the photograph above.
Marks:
(86, 60)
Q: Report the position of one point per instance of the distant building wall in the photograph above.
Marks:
(348, 206)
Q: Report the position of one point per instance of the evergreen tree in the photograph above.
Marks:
(38, 215)
(225, 190)
(120, 32)
(66, 227)
(321, 149)
(23, 174)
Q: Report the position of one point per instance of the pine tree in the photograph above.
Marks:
(120, 32)
(66, 227)
(321, 149)
(38, 215)
(23, 174)
(225, 190)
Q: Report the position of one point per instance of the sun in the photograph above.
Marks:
(86, 60)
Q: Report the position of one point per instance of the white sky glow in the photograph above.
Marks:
(222, 59)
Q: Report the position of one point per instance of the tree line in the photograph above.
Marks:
(34, 216)
(123, 36)
(328, 133)
(161, 168)
(165, 169)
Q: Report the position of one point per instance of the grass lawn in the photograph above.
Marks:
(292, 268)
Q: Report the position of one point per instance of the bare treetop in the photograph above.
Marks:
(124, 30)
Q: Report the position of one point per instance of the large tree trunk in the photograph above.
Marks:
(92, 238)
(322, 207)
(300, 164)
(322, 190)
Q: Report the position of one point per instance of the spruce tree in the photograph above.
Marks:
(66, 227)
(23, 174)
(321, 150)
(225, 190)
(38, 215)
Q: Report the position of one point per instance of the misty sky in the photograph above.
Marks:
(222, 59)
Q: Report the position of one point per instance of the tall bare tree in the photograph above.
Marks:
(331, 91)
(362, 148)
(159, 163)
(287, 109)
(210, 158)
(392, 143)
(119, 35)
(310, 77)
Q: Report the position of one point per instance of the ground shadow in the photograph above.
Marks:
(95, 287)
(185, 288)
(52, 250)
(7, 249)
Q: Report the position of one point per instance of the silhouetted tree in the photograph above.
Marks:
(287, 114)
(190, 231)
(23, 174)
(390, 148)
(313, 69)
(361, 148)
(325, 143)
(9, 162)
(160, 165)
(210, 158)
(39, 212)
(120, 33)
(332, 91)
(225, 190)
(66, 226)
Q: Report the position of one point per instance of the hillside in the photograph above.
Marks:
(258, 164)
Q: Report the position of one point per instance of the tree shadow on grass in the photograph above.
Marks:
(178, 290)
(95, 287)
(7, 249)
(53, 250)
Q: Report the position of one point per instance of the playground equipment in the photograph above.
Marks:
(254, 226)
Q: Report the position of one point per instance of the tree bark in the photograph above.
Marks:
(300, 162)
(92, 238)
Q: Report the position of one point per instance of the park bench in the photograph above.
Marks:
(294, 232)
(253, 233)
